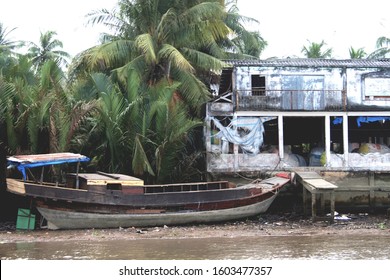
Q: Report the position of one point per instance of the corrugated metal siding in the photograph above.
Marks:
(312, 62)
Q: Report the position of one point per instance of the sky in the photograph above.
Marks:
(287, 25)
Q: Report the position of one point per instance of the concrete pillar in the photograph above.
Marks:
(327, 139)
(345, 140)
(281, 136)
(235, 147)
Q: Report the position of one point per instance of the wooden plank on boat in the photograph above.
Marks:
(132, 189)
(104, 179)
(16, 186)
(276, 180)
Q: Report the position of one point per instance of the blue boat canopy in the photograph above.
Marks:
(22, 162)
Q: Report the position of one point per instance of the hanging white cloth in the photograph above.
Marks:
(249, 137)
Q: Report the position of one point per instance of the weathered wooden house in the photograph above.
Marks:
(293, 114)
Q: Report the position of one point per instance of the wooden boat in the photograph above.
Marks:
(102, 200)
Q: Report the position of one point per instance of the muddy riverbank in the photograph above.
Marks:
(265, 225)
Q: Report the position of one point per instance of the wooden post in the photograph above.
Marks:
(42, 172)
(371, 180)
(322, 201)
(332, 207)
(235, 147)
(77, 175)
(313, 205)
(304, 200)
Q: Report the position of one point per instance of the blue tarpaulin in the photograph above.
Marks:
(338, 120)
(360, 120)
(24, 162)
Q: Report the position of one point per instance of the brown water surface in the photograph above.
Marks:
(263, 247)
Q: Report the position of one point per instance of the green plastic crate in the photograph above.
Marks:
(25, 219)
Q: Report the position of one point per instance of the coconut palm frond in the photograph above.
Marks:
(102, 82)
(379, 53)
(315, 50)
(107, 56)
(51, 76)
(102, 16)
(38, 119)
(140, 161)
(175, 138)
(70, 122)
(383, 48)
(6, 93)
(202, 11)
(146, 45)
(192, 90)
(13, 141)
(382, 42)
(49, 48)
(357, 53)
(131, 76)
(203, 60)
(170, 53)
(111, 110)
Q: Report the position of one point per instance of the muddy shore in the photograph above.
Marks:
(265, 225)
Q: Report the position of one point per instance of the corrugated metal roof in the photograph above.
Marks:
(313, 62)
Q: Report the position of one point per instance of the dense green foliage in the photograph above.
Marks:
(133, 103)
(315, 50)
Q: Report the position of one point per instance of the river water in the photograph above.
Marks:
(264, 247)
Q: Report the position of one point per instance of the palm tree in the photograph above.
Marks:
(107, 128)
(7, 91)
(49, 48)
(54, 115)
(157, 40)
(41, 116)
(244, 43)
(383, 48)
(314, 50)
(357, 54)
(154, 58)
(6, 45)
(144, 135)
(16, 77)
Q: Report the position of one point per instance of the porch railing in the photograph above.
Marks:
(290, 100)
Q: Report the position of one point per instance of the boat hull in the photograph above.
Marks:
(98, 206)
(67, 219)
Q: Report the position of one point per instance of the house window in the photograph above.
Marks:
(258, 85)
(376, 85)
